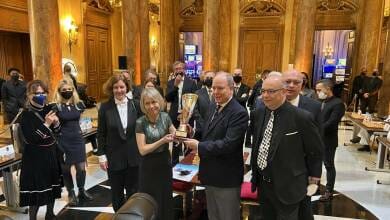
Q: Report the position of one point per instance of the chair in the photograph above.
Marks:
(248, 198)
(182, 188)
(140, 206)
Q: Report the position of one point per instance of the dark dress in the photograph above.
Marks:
(155, 167)
(70, 139)
(40, 173)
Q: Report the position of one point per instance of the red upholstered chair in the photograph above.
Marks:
(248, 197)
(182, 188)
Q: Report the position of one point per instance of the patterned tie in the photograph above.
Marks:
(264, 146)
(216, 112)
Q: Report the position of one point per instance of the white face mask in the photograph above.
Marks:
(321, 95)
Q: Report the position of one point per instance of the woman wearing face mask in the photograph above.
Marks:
(69, 108)
(40, 172)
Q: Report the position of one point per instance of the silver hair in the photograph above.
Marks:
(278, 75)
(275, 73)
(229, 78)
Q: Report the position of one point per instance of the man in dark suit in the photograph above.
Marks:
(256, 90)
(357, 86)
(177, 87)
(220, 150)
(371, 87)
(205, 99)
(332, 111)
(241, 91)
(286, 154)
(13, 94)
(117, 147)
(150, 75)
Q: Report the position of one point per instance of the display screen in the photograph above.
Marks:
(189, 49)
(190, 58)
(342, 62)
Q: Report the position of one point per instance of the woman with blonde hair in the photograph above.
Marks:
(154, 131)
(69, 109)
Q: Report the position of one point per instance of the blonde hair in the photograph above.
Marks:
(59, 99)
(153, 94)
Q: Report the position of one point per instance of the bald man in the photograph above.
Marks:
(287, 152)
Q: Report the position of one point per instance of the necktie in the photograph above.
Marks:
(265, 143)
(216, 112)
(322, 106)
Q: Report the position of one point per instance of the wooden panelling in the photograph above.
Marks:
(15, 51)
(13, 15)
(96, 17)
(260, 49)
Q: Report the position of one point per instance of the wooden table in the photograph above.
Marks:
(359, 123)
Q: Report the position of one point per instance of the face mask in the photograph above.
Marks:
(237, 79)
(322, 95)
(39, 100)
(15, 77)
(67, 94)
(208, 82)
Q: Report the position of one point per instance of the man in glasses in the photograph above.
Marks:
(286, 154)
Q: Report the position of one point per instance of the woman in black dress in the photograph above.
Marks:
(40, 173)
(117, 147)
(154, 133)
(69, 108)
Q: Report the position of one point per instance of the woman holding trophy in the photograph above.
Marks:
(154, 132)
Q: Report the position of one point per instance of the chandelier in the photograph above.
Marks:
(115, 3)
(328, 51)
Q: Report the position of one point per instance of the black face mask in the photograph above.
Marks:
(67, 94)
(237, 79)
(208, 82)
(15, 77)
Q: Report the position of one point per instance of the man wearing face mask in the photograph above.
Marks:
(370, 89)
(205, 98)
(241, 91)
(13, 94)
(332, 110)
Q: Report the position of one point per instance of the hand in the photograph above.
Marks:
(365, 95)
(103, 165)
(191, 144)
(178, 79)
(314, 180)
(168, 138)
(51, 118)
(253, 187)
(244, 95)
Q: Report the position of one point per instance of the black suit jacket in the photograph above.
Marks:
(221, 147)
(255, 94)
(294, 154)
(202, 108)
(189, 86)
(244, 89)
(120, 147)
(331, 115)
(137, 91)
(311, 105)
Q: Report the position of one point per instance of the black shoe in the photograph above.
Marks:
(50, 216)
(84, 195)
(365, 148)
(355, 140)
(72, 198)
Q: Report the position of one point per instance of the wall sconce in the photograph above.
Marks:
(154, 49)
(71, 30)
(328, 51)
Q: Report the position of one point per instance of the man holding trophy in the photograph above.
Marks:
(220, 150)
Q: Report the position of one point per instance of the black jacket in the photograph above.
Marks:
(120, 147)
(331, 115)
(295, 151)
(242, 94)
(13, 95)
(221, 147)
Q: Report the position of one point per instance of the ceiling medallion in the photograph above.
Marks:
(196, 8)
(336, 6)
(262, 8)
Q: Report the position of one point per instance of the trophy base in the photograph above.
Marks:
(181, 134)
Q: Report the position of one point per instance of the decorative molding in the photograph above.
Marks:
(336, 7)
(195, 9)
(103, 5)
(154, 8)
(262, 8)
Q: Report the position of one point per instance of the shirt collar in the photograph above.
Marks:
(295, 102)
(224, 104)
(121, 102)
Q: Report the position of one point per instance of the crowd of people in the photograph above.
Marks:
(291, 128)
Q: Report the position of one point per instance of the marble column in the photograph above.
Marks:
(167, 45)
(304, 39)
(369, 37)
(225, 34)
(384, 95)
(211, 35)
(45, 41)
(144, 35)
(131, 43)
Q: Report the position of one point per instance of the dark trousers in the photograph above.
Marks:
(120, 180)
(273, 209)
(329, 155)
(305, 211)
(369, 102)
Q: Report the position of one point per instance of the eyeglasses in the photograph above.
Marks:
(269, 91)
(295, 82)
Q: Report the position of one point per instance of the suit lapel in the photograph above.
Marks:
(130, 114)
(118, 122)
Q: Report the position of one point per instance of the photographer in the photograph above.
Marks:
(177, 87)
